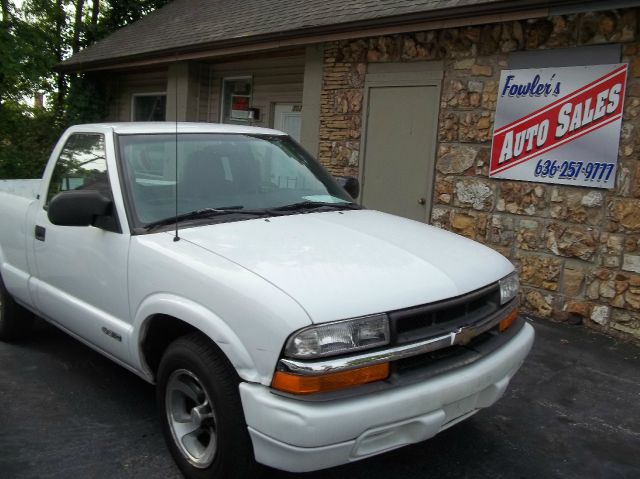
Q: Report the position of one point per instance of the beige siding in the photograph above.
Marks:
(198, 92)
(275, 80)
(204, 97)
(278, 79)
(125, 85)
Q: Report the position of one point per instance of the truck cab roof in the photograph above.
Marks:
(154, 127)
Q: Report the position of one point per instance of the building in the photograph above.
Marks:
(404, 96)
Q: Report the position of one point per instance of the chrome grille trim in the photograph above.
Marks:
(461, 336)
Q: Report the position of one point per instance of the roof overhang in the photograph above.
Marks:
(469, 15)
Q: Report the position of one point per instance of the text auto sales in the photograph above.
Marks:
(570, 117)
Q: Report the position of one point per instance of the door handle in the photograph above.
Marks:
(422, 201)
(40, 233)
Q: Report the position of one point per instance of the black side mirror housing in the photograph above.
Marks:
(78, 207)
(350, 184)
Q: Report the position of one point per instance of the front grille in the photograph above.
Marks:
(429, 321)
(443, 360)
(435, 319)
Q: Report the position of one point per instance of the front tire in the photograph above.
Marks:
(201, 412)
(15, 321)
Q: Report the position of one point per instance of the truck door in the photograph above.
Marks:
(81, 272)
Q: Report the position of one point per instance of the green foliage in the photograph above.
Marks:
(27, 61)
(27, 137)
(33, 39)
(87, 100)
(118, 13)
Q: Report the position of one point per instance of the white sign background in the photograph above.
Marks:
(596, 152)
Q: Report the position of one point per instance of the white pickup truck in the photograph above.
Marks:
(282, 322)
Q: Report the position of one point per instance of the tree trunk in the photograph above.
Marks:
(5, 27)
(6, 15)
(77, 27)
(61, 83)
(95, 11)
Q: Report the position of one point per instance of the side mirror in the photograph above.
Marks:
(78, 207)
(350, 184)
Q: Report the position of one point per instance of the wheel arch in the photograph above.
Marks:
(162, 318)
(1, 260)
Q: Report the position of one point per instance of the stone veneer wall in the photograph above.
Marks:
(577, 249)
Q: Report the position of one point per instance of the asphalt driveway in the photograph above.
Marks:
(573, 411)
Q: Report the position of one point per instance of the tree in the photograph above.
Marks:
(33, 39)
(27, 137)
(6, 14)
(77, 27)
(26, 133)
(5, 43)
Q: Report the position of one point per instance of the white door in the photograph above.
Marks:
(287, 118)
(82, 271)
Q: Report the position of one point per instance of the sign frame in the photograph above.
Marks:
(559, 125)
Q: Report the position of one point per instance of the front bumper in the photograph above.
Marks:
(301, 436)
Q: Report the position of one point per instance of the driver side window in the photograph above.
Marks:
(82, 165)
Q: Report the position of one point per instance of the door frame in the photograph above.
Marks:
(415, 74)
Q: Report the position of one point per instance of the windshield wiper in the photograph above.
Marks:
(312, 205)
(240, 210)
(203, 213)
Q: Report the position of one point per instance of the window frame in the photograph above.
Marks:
(132, 115)
(116, 226)
(47, 200)
(222, 98)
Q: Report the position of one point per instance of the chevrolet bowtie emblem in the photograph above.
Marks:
(464, 336)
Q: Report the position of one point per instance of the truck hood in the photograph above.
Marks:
(346, 264)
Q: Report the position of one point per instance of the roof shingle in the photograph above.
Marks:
(185, 24)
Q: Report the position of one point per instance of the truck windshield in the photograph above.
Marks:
(219, 171)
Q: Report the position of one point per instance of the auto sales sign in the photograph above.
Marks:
(559, 125)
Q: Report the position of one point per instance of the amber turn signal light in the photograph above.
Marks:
(295, 384)
(508, 321)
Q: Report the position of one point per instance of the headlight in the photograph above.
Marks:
(509, 287)
(339, 337)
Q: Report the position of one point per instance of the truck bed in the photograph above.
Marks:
(26, 188)
(16, 197)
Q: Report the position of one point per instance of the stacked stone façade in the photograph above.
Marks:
(577, 249)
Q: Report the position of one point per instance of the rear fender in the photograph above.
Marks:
(14, 279)
(1, 260)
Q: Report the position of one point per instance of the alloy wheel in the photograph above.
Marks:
(191, 418)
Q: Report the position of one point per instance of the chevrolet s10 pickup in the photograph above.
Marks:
(282, 322)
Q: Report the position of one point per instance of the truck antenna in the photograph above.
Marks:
(176, 237)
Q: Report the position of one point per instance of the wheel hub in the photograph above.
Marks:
(191, 418)
(199, 414)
